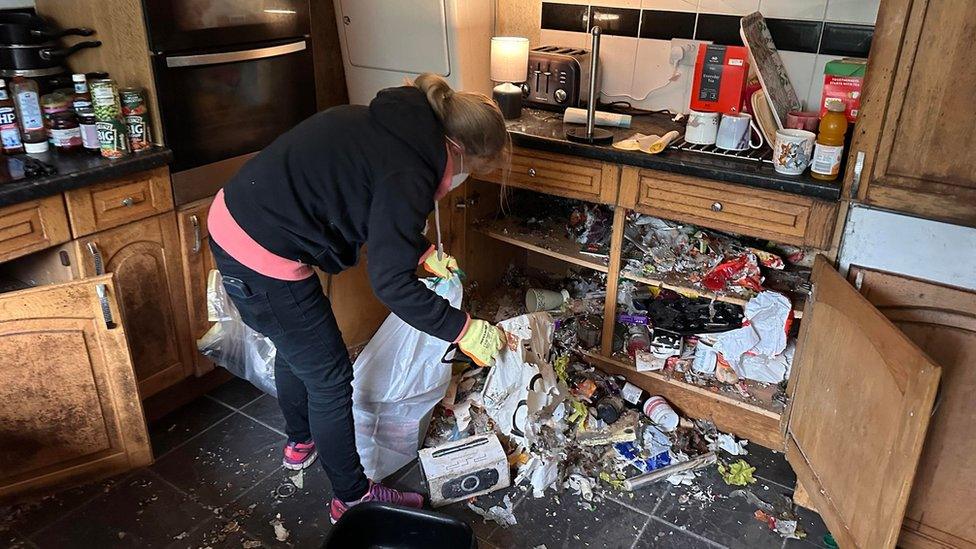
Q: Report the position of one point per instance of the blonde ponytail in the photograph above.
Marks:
(471, 119)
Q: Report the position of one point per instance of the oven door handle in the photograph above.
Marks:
(204, 59)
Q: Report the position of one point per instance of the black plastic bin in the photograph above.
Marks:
(384, 526)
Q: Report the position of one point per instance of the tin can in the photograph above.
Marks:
(136, 117)
(109, 122)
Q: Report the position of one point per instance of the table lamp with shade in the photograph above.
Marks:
(509, 66)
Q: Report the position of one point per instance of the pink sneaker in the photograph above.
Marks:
(378, 492)
(299, 455)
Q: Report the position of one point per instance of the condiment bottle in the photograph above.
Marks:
(26, 100)
(65, 133)
(81, 101)
(51, 104)
(829, 150)
(89, 132)
(9, 130)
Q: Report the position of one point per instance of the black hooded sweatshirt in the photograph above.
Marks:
(349, 176)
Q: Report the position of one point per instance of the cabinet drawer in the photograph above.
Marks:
(107, 205)
(561, 175)
(782, 217)
(31, 226)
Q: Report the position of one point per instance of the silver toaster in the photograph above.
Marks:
(558, 77)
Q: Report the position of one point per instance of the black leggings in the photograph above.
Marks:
(313, 373)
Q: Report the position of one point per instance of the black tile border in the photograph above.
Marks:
(795, 35)
(665, 25)
(616, 21)
(720, 29)
(565, 17)
(846, 39)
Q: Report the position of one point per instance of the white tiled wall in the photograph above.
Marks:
(634, 68)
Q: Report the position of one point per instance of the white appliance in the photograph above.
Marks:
(386, 41)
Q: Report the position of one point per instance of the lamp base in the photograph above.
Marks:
(509, 99)
(600, 136)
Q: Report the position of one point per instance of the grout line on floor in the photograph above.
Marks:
(248, 403)
(776, 484)
(629, 506)
(699, 537)
(189, 440)
(253, 486)
(263, 424)
(123, 478)
(641, 533)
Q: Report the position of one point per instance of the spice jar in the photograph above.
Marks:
(65, 132)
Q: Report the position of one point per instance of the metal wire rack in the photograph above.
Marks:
(762, 154)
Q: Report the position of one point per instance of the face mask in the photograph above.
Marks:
(459, 177)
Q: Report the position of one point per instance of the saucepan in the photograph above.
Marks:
(38, 56)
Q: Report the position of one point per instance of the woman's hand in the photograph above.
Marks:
(481, 341)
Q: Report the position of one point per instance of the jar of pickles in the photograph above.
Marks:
(65, 132)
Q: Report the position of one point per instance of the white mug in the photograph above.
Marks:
(793, 151)
(702, 127)
(734, 133)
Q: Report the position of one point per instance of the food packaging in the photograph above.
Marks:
(843, 79)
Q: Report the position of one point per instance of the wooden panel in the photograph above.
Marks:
(145, 258)
(71, 409)
(745, 420)
(124, 52)
(118, 202)
(197, 262)
(860, 397)
(31, 226)
(330, 78)
(782, 217)
(358, 311)
(561, 175)
(942, 321)
(917, 126)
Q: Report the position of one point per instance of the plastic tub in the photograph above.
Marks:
(384, 526)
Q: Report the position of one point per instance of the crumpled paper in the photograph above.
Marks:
(503, 515)
(651, 144)
(763, 335)
(738, 473)
(727, 442)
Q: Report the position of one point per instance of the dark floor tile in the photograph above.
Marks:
(658, 535)
(236, 392)
(11, 540)
(141, 511)
(32, 515)
(645, 499)
(725, 520)
(563, 523)
(215, 533)
(485, 544)
(771, 465)
(222, 462)
(815, 528)
(410, 479)
(176, 428)
(265, 409)
(400, 473)
(304, 513)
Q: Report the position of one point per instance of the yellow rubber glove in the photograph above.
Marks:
(481, 341)
(441, 268)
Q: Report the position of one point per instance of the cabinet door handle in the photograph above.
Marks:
(102, 291)
(128, 201)
(195, 223)
(716, 206)
(96, 258)
(531, 172)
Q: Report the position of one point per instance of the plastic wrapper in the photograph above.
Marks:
(232, 345)
(398, 379)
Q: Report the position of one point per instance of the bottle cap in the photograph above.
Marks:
(40, 147)
(78, 77)
(836, 105)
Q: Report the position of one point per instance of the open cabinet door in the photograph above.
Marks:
(70, 409)
(860, 400)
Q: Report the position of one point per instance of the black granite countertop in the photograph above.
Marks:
(73, 171)
(545, 130)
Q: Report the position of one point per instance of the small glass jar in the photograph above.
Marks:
(65, 132)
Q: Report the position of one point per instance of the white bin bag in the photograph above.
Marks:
(397, 381)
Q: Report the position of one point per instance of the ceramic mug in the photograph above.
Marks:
(803, 120)
(792, 151)
(702, 127)
(735, 133)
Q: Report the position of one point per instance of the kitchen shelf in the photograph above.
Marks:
(685, 287)
(756, 419)
(550, 241)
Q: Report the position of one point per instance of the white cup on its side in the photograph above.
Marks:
(702, 127)
(792, 151)
(735, 133)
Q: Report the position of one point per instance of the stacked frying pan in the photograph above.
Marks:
(30, 46)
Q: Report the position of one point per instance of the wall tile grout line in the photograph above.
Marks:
(640, 534)
(699, 537)
(189, 440)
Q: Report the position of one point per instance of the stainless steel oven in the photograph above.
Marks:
(231, 76)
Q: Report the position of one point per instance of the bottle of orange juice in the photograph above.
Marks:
(829, 149)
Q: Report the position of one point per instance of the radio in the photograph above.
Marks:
(557, 78)
(464, 468)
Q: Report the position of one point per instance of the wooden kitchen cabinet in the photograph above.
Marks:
(119, 201)
(144, 256)
(31, 226)
(916, 126)
(197, 262)
(71, 410)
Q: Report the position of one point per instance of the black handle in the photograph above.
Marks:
(49, 54)
(458, 356)
(54, 35)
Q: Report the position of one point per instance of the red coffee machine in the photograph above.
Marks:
(720, 78)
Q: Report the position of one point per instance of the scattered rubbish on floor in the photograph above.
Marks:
(729, 444)
(298, 479)
(779, 516)
(281, 533)
(683, 470)
(286, 489)
(738, 473)
(503, 514)
(251, 544)
(181, 535)
(464, 469)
